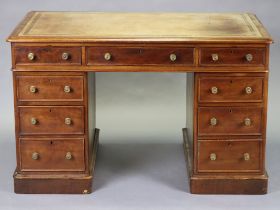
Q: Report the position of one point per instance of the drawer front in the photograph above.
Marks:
(229, 156)
(47, 55)
(50, 88)
(229, 121)
(52, 154)
(51, 120)
(232, 56)
(137, 56)
(230, 89)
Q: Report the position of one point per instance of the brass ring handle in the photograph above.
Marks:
(246, 156)
(35, 156)
(215, 57)
(33, 121)
(173, 57)
(247, 121)
(213, 156)
(68, 121)
(249, 57)
(65, 56)
(213, 121)
(67, 89)
(32, 89)
(248, 90)
(214, 90)
(68, 156)
(107, 56)
(31, 56)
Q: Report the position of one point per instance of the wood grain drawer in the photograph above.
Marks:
(50, 88)
(230, 89)
(229, 156)
(232, 56)
(229, 121)
(51, 120)
(138, 56)
(48, 55)
(44, 154)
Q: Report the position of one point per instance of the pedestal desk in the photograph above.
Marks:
(56, 54)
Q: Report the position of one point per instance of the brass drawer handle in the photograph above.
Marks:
(67, 89)
(31, 56)
(68, 121)
(107, 56)
(213, 121)
(32, 89)
(213, 156)
(246, 156)
(214, 90)
(247, 121)
(249, 57)
(248, 90)
(68, 156)
(33, 121)
(173, 57)
(65, 56)
(35, 156)
(215, 57)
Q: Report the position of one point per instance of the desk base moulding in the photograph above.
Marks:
(221, 184)
(58, 184)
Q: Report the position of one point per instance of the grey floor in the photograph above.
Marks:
(140, 163)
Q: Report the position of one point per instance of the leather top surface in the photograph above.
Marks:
(90, 26)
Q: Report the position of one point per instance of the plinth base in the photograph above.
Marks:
(57, 184)
(222, 184)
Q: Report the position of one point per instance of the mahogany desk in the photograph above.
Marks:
(55, 55)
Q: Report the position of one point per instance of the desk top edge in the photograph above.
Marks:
(253, 31)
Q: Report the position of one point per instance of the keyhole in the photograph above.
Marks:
(230, 111)
(50, 110)
(51, 142)
(230, 81)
